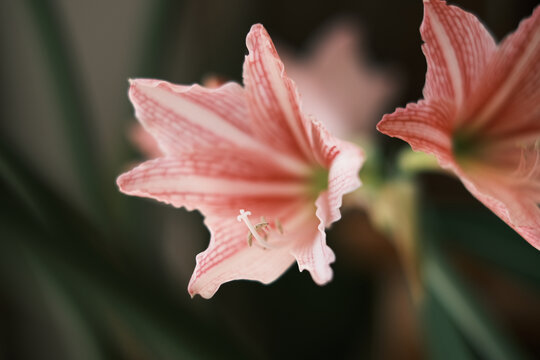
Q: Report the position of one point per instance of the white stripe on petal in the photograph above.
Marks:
(208, 120)
(449, 56)
(155, 183)
(510, 83)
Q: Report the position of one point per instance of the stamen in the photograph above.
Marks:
(255, 230)
(279, 226)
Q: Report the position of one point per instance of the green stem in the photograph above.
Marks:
(462, 307)
(444, 341)
(72, 102)
(411, 162)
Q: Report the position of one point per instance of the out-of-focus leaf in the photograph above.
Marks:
(471, 318)
(438, 229)
(16, 183)
(72, 100)
(444, 341)
(49, 324)
(109, 295)
(489, 238)
(26, 191)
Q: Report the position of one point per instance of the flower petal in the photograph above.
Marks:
(510, 87)
(457, 47)
(200, 117)
(426, 126)
(221, 181)
(229, 257)
(513, 205)
(273, 99)
(312, 254)
(197, 115)
(344, 161)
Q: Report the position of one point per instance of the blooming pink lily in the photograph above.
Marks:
(267, 178)
(481, 112)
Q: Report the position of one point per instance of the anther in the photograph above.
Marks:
(254, 231)
(259, 231)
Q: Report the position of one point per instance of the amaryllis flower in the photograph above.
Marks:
(481, 112)
(338, 84)
(267, 178)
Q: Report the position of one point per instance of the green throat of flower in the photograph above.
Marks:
(465, 147)
(318, 182)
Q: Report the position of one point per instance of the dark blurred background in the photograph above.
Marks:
(88, 273)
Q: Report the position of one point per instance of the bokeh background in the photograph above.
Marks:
(88, 273)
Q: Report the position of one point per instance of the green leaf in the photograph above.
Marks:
(72, 100)
(481, 232)
(444, 340)
(471, 318)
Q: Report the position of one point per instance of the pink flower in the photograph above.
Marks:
(337, 83)
(267, 178)
(481, 112)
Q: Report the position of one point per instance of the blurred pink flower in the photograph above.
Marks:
(236, 152)
(337, 83)
(481, 112)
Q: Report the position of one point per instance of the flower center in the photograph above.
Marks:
(318, 181)
(467, 147)
(462, 144)
(261, 231)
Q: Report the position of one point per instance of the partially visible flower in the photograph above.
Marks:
(481, 112)
(338, 84)
(267, 178)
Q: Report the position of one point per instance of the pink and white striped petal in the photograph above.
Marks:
(201, 118)
(197, 115)
(426, 126)
(229, 257)
(345, 161)
(457, 48)
(510, 85)
(272, 97)
(342, 177)
(312, 254)
(518, 208)
(204, 180)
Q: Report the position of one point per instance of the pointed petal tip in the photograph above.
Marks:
(257, 29)
(381, 124)
(206, 292)
(320, 278)
(121, 181)
(441, 2)
(384, 125)
(137, 84)
(124, 181)
(258, 36)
